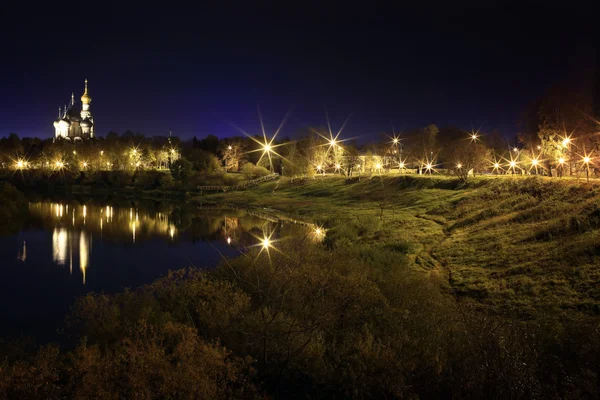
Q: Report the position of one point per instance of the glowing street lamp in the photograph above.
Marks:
(459, 165)
(266, 243)
(561, 162)
(513, 165)
(428, 167)
(229, 147)
(566, 141)
(85, 164)
(586, 161)
(496, 167)
(20, 164)
(535, 163)
(515, 149)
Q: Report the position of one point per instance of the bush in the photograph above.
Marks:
(251, 171)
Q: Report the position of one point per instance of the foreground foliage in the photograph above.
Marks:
(300, 323)
(423, 288)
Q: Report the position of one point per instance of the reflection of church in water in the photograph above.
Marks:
(69, 245)
(75, 226)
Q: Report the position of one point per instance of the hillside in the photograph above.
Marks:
(518, 244)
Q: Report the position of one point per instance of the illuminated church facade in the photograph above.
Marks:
(74, 122)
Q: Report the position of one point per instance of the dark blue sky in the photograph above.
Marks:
(193, 70)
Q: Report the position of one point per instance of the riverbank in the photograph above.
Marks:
(500, 240)
(422, 288)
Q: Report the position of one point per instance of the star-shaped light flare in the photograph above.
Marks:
(267, 146)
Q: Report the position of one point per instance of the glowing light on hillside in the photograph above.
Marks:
(566, 141)
(74, 153)
(20, 164)
(401, 165)
(515, 149)
(496, 165)
(534, 162)
(229, 148)
(266, 243)
(586, 159)
(59, 164)
(459, 165)
(338, 166)
(318, 233)
(228, 240)
(378, 166)
(85, 164)
(561, 160)
(101, 153)
(319, 167)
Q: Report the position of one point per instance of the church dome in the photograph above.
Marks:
(86, 123)
(86, 99)
(64, 122)
(73, 114)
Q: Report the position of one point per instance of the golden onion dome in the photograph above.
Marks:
(86, 99)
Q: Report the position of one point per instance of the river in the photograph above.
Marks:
(67, 249)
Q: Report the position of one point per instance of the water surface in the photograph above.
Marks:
(67, 249)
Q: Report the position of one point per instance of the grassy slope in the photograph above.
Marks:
(518, 245)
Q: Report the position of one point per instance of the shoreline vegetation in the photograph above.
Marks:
(423, 287)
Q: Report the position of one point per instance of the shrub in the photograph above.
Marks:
(251, 171)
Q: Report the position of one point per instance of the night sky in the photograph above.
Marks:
(195, 70)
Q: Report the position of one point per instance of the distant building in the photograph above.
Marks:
(73, 122)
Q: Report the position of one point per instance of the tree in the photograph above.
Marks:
(233, 154)
(181, 169)
(464, 157)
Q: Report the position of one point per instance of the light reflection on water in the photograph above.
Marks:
(67, 249)
(75, 227)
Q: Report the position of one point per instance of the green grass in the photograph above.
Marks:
(519, 245)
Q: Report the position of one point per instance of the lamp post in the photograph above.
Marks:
(586, 160)
(561, 163)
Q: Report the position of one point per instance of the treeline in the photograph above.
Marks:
(550, 150)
